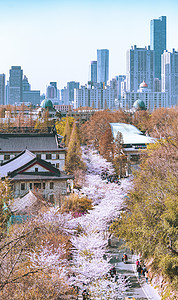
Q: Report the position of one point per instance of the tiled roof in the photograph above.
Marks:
(16, 162)
(21, 204)
(32, 142)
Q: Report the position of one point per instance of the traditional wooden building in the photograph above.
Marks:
(46, 146)
(27, 171)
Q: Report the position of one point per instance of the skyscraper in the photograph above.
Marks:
(102, 66)
(169, 76)
(15, 84)
(140, 66)
(2, 89)
(27, 94)
(93, 71)
(158, 41)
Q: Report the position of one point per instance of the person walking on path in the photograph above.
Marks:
(146, 276)
(137, 263)
(144, 270)
(139, 270)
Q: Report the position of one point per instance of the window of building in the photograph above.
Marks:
(36, 170)
(51, 198)
(37, 185)
(22, 186)
(57, 156)
(6, 156)
(30, 186)
(51, 185)
(48, 156)
(57, 166)
(38, 156)
(43, 185)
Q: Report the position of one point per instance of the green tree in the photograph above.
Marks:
(149, 223)
(74, 154)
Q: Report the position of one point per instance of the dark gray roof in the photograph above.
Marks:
(33, 142)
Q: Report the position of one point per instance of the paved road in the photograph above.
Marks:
(138, 288)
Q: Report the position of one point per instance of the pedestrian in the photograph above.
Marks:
(139, 269)
(137, 263)
(85, 295)
(144, 270)
(146, 276)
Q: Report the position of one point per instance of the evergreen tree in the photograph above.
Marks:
(74, 153)
(67, 133)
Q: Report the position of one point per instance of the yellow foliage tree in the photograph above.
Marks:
(74, 154)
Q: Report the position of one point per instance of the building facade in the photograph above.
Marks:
(44, 146)
(158, 41)
(152, 100)
(140, 66)
(2, 89)
(95, 97)
(93, 71)
(102, 66)
(169, 76)
(15, 84)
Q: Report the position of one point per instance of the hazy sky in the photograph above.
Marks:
(55, 40)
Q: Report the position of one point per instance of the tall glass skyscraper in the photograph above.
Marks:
(93, 71)
(2, 89)
(158, 41)
(102, 66)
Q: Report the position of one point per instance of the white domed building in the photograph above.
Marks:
(152, 100)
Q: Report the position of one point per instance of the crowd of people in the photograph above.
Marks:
(110, 178)
(141, 270)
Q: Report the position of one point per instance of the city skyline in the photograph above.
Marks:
(57, 40)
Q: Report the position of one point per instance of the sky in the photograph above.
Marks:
(55, 40)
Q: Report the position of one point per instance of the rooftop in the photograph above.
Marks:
(131, 135)
(14, 142)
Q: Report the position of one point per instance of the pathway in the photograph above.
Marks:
(137, 288)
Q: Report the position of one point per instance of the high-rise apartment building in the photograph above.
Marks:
(158, 41)
(93, 71)
(15, 84)
(95, 97)
(2, 89)
(140, 66)
(102, 66)
(169, 75)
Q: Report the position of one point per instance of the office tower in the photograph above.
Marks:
(25, 84)
(169, 75)
(27, 94)
(51, 92)
(119, 80)
(7, 92)
(15, 84)
(2, 89)
(54, 84)
(102, 66)
(140, 66)
(93, 71)
(158, 41)
(71, 85)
